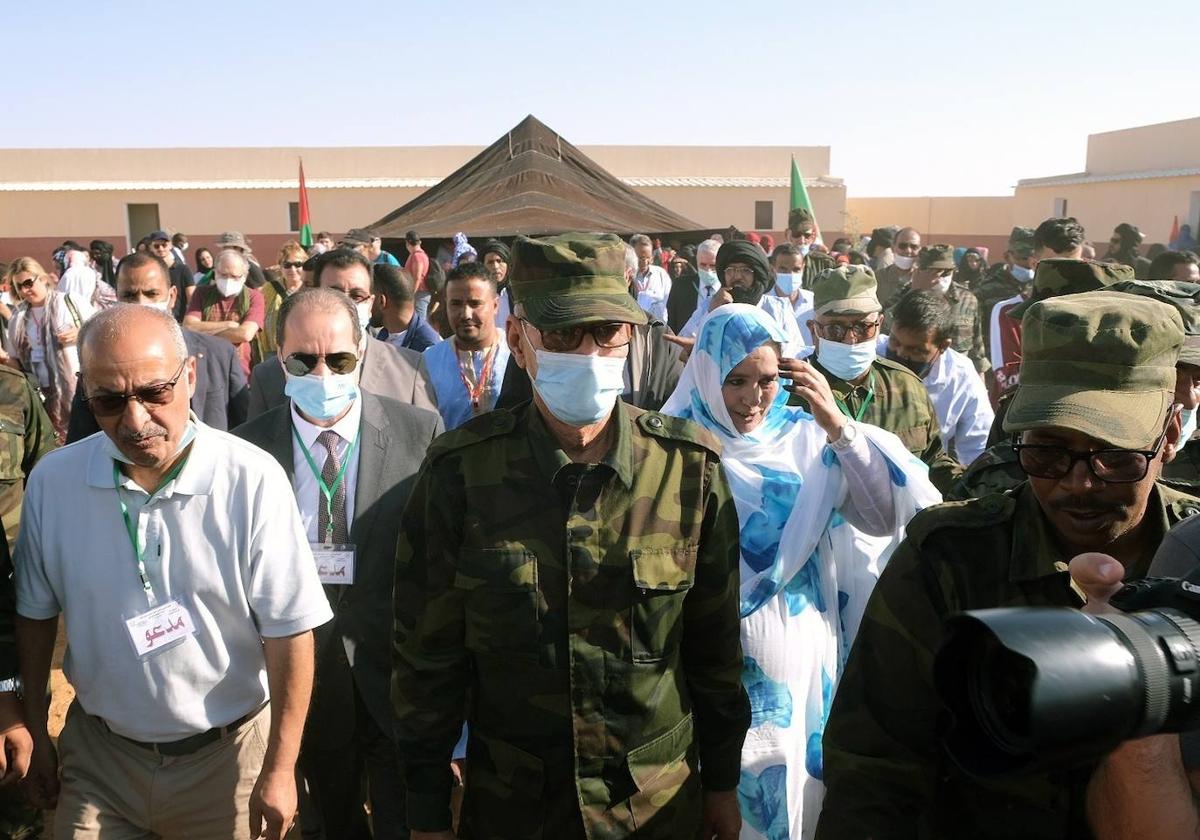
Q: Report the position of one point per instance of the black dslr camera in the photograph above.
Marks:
(1035, 688)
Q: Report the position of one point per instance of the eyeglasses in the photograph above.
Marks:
(290, 264)
(735, 271)
(110, 405)
(1112, 466)
(27, 284)
(862, 330)
(356, 295)
(609, 336)
(302, 364)
(907, 248)
(805, 234)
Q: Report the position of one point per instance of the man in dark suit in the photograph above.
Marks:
(351, 457)
(221, 395)
(387, 371)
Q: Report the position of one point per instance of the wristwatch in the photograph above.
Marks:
(849, 433)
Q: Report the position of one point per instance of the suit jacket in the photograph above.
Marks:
(387, 371)
(355, 648)
(221, 394)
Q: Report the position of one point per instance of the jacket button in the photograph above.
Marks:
(654, 422)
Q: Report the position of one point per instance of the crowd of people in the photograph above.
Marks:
(574, 536)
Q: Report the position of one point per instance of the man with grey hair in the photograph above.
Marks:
(651, 284)
(227, 308)
(351, 456)
(709, 282)
(190, 623)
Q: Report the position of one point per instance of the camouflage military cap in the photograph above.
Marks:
(1070, 277)
(847, 289)
(1100, 363)
(571, 279)
(799, 216)
(1183, 296)
(938, 257)
(1020, 241)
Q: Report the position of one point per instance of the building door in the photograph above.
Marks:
(1194, 213)
(142, 221)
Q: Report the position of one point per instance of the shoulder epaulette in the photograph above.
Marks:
(674, 428)
(990, 510)
(896, 366)
(481, 428)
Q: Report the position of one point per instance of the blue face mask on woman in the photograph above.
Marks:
(321, 397)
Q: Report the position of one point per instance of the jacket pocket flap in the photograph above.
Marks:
(656, 758)
(664, 569)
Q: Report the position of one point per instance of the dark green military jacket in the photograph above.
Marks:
(896, 400)
(891, 283)
(885, 774)
(584, 620)
(25, 436)
(967, 337)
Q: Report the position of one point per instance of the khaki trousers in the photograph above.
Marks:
(115, 790)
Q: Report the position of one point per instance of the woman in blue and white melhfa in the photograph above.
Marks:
(821, 502)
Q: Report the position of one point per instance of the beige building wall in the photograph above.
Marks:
(954, 220)
(1171, 145)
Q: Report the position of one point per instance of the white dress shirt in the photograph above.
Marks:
(308, 491)
(802, 308)
(653, 286)
(961, 401)
(780, 310)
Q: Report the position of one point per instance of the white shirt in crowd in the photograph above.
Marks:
(653, 287)
(960, 398)
(223, 538)
(802, 308)
(308, 492)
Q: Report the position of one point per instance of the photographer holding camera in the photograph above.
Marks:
(1096, 417)
(1145, 788)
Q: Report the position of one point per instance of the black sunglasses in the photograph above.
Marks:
(27, 284)
(1112, 466)
(302, 364)
(609, 336)
(110, 405)
(290, 264)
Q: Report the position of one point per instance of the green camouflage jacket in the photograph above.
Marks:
(900, 404)
(584, 621)
(964, 310)
(25, 436)
(891, 283)
(885, 773)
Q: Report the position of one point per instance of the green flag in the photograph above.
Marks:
(800, 195)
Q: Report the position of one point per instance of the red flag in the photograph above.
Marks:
(1174, 232)
(305, 228)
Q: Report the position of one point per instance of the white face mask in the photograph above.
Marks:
(1024, 275)
(229, 286)
(846, 361)
(804, 249)
(903, 263)
(942, 284)
(161, 306)
(364, 314)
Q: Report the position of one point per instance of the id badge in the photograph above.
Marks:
(160, 628)
(335, 563)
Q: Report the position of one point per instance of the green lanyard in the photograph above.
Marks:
(131, 527)
(866, 402)
(326, 490)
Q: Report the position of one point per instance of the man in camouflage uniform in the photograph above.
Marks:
(802, 232)
(884, 768)
(1009, 279)
(872, 389)
(567, 581)
(897, 276)
(25, 436)
(996, 469)
(935, 270)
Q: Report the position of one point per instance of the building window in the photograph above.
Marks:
(294, 216)
(1060, 208)
(764, 215)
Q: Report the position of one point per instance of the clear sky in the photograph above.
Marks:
(948, 97)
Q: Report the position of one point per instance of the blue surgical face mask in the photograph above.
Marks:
(1025, 275)
(112, 451)
(579, 390)
(804, 249)
(321, 397)
(786, 283)
(709, 279)
(846, 361)
(1188, 417)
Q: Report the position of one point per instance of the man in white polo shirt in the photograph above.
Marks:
(177, 558)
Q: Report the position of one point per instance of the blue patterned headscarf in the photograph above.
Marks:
(462, 247)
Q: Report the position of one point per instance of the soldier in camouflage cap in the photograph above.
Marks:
(802, 232)
(567, 582)
(845, 327)
(1096, 422)
(1009, 279)
(935, 270)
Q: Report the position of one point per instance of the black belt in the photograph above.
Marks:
(189, 745)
